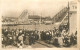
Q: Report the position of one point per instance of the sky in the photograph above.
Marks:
(13, 8)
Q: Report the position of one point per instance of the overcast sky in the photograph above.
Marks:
(13, 8)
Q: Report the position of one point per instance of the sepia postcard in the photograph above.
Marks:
(39, 24)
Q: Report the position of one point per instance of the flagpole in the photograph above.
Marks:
(68, 19)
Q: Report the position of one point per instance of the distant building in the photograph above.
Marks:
(9, 20)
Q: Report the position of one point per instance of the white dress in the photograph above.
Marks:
(60, 41)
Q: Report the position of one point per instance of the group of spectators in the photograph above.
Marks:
(20, 37)
(59, 38)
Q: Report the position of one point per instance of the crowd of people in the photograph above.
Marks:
(20, 37)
